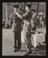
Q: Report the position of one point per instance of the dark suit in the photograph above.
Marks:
(17, 30)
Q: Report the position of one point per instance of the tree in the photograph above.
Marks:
(37, 8)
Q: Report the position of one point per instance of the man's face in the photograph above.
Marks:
(15, 10)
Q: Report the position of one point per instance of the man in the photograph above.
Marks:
(16, 20)
(38, 19)
(34, 20)
(3, 23)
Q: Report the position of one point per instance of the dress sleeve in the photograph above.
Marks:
(25, 14)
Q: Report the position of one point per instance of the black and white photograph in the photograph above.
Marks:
(24, 29)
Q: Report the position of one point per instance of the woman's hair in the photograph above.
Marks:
(33, 10)
(29, 6)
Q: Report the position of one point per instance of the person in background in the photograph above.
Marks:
(34, 20)
(33, 30)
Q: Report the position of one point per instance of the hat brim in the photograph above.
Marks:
(15, 6)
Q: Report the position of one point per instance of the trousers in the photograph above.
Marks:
(17, 40)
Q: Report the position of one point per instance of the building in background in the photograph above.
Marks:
(8, 9)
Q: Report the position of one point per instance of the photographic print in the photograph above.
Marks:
(24, 29)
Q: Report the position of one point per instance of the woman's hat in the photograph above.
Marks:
(16, 6)
(29, 5)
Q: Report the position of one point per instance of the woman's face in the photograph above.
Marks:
(27, 8)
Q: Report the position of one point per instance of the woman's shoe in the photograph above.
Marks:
(28, 52)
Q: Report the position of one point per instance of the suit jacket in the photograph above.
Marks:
(16, 22)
